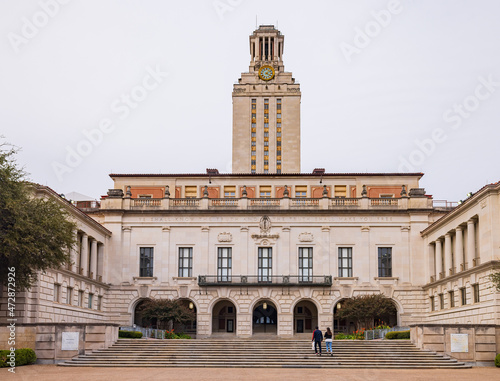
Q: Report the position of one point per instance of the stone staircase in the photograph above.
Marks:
(278, 353)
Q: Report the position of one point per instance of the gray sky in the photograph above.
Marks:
(386, 86)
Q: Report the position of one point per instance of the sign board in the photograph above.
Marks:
(459, 342)
(70, 341)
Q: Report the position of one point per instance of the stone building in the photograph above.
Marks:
(269, 250)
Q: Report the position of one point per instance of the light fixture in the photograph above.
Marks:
(339, 306)
(191, 305)
(470, 194)
(264, 306)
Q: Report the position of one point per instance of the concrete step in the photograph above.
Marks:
(262, 353)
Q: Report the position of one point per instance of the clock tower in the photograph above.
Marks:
(266, 110)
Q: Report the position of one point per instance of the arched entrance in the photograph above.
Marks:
(342, 325)
(265, 318)
(224, 317)
(305, 317)
(189, 327)
(139, 319)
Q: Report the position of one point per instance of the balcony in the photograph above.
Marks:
(285, 203)
(265, 281)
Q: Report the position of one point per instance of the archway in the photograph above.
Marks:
(342, 325)
(189, 327)
(139, 319)
(305, 317)
(224, 317)
(265, 318)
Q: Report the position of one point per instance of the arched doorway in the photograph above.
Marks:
(139, 319)
(305, 317)
(224, 317)
(265, 318)
(342, 325)
(189, 327)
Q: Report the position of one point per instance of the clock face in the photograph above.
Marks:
(266, 73)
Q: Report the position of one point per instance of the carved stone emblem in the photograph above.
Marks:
(306, 237)
(225, 237)
(265, 225)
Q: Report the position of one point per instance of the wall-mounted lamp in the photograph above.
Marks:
(191, 305)
(264, 306)
(339, 306)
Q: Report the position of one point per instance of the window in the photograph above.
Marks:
(57, 292)
(224, 262)
(340, 190)
(230, 191)
(475, 289)
(145, 196)
(451, 295)
(191, 192)
(441, 301)
(305, 264)
(265, 192)
(99, 302)
(301, 191)
(185, 261)
(385, 262)
(265, 264)
(463, 296)
(91, 297)
(69, 295)
(80, 298)
(146, 262)
(433, 307)
(345, 262)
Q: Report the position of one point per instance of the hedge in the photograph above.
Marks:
(497, 361)
(23, 356)
(130, 334)
(397, 335)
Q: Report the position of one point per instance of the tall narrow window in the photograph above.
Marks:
(475, 289)
(190, 192)
(266, 131)
(463, 296)
(80, 298)
(185, 261)
(229, 191)
(265, 192)
(91, 299)
(69, 295)
(340, 190)
(99, 302)
(305, 264)
(224, 263)
(385, 262)
(345, 262)
(146, 262)
(433, 306)
(253, 131)
(441, 301)
(301, 191)
(451, 295)
(278, 136)
(265, 264)
(57, 292)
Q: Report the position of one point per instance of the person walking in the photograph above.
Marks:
(317, 337)
(328, 341)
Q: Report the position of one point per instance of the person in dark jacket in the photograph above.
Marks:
(317, 338)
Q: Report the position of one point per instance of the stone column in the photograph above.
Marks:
(100, 261)
(439, 259)
(93, 259)
(459, 248)
(431, 262)
(165, 269)
(84, 255)
(448, 255)
(471, 243)
(367, 269)
(73, 266)
(405, 246)
(211, 260)
(125, 268)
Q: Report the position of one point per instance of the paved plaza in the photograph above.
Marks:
(55, 373)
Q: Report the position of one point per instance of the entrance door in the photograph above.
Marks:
(300, 326)
(230, 325)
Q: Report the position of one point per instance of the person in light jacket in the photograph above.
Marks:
(317, 337)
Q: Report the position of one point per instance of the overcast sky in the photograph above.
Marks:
(89, 88)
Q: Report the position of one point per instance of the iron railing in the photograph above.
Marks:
(265, 280)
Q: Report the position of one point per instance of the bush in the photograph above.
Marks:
(340, 336)
(401, 335)
(130, 334)
(23, 356)
(183, 336)
(497, 361)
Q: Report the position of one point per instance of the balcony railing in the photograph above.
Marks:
(343, 202)
(304, 202)
(384, 202)
(265, 202)
(185, 202)
(267, 280)
(223, 202)
(146, 202)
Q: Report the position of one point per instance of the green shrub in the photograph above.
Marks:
(497, 361)
(395, 335)
(23, 356)
(340, 336)
(183, 336)
(130, 334)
